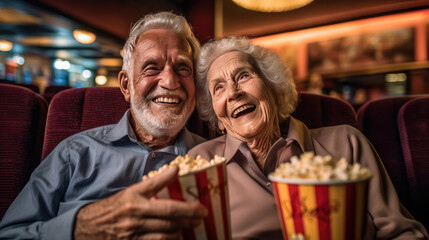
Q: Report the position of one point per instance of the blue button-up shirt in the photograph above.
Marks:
(87, 166)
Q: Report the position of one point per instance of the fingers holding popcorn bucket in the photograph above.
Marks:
(204, 181)
(320, 198)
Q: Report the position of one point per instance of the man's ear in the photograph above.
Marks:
(124, 84)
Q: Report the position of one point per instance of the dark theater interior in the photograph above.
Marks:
(360, 63)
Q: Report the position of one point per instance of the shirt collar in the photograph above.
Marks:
(233, 146)
(299, 132)
(184, 142)
(123, 129)
(296, 131)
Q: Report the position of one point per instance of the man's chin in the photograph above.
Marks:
(163, 125)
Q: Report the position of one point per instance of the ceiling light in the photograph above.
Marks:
(272, 5)
(84, 37)
(5, 46)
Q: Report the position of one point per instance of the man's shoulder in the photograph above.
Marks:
(82, 141)
(97, 133)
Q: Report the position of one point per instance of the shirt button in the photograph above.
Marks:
(268, 184)
(153, 155)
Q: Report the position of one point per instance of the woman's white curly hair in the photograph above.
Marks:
(267, 65)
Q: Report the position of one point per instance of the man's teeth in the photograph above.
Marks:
(240, 109)
(166, 100)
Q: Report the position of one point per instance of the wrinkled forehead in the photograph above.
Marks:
(228, 62)
(166, 39)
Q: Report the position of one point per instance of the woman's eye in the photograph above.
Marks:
(243, 76)
(217, 88)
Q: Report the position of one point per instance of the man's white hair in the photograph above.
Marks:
(161, 20)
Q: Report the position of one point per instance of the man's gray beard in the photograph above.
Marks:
(156, 127)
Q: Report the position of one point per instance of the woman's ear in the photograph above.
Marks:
(221, 127)
(124, 84)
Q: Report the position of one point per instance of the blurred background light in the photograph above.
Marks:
(396, 77)
(61, 65)
(100, 80)
(83, 36)
(86, 73)
(5, 46)
(19, 59)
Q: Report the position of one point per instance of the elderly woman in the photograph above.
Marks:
(246, 92)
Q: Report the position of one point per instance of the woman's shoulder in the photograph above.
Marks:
(209, 148)
(337, 130)
(339, 135)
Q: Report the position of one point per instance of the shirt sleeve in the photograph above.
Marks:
(390, 218)
(34, 213)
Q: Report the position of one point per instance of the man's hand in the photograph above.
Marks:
(133, 214)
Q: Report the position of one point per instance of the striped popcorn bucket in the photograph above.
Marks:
(329, 210)
(209, 186)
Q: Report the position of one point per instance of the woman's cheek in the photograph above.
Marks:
(219, 108)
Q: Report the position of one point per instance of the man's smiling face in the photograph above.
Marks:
(162, 90)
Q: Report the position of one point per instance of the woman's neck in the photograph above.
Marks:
(261, 144)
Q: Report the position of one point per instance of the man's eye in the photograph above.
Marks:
(151, 71)
(184, 71)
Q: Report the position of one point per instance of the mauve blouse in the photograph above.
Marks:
(252, 204)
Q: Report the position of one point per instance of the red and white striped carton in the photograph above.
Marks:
(321, 210)
(209, 186)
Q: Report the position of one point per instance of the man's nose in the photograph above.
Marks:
(169, 79)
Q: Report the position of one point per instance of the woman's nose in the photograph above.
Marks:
(168, 79)
(234, 91)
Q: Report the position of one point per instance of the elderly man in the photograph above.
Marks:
(90, 186)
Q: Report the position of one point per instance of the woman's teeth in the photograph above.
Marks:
(241, 109)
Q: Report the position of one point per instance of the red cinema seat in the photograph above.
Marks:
(50, 91)
(377, 120)
(77, 109)
(322, 111)
(413, 122)
(22, 125)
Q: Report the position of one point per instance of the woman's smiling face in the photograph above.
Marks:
(242, 101)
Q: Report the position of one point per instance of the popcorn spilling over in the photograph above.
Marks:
(187, 164)
(316, 167)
